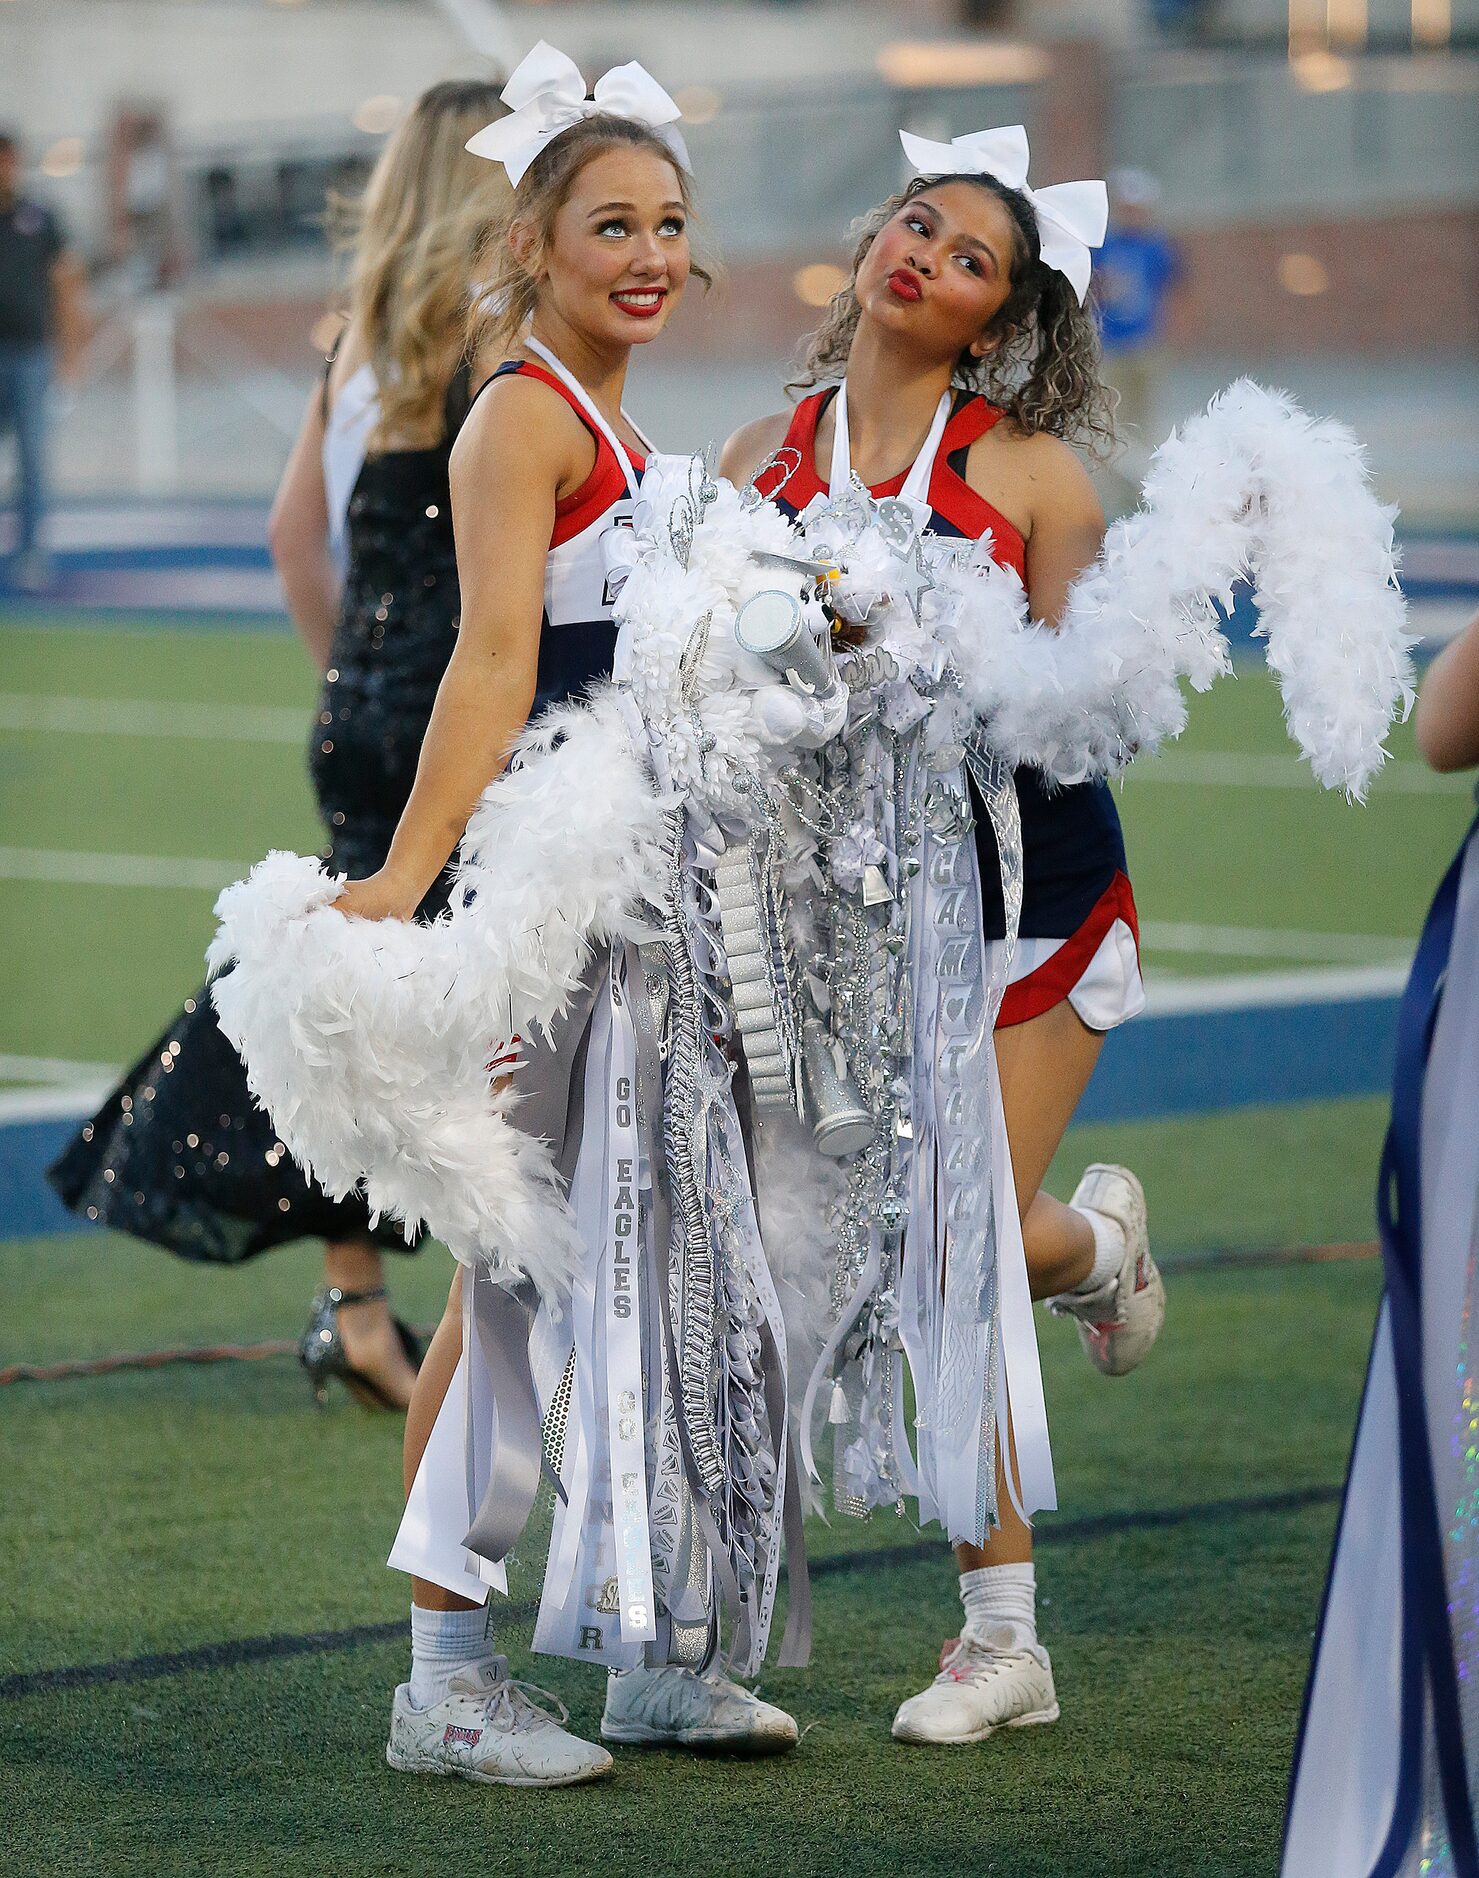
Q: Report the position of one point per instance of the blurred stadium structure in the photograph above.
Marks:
(1317, 160)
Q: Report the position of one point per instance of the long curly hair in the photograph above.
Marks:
(505, 304)
(414, 234)
(1044, 372)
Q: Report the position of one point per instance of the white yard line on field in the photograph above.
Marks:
(152, 717)
(51, 1069)
(1256, 990)
(1228, 770)
(286, 724)
(1274, 942)
(76, 868)
(46, 1105)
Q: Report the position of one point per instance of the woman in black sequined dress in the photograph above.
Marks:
(180, 1154)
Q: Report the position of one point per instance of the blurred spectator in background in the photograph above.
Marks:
(42, 334)
(1135, 280)
(224, 219)
(142, 211)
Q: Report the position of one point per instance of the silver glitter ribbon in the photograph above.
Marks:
(953, 1074)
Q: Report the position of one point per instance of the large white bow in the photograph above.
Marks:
(546, 95)
(1071, 217)
(1000, 153)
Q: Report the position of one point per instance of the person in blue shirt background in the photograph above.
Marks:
(43, 332)
(1136, 275)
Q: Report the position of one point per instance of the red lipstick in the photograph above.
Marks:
(905, 284)
(640, 303)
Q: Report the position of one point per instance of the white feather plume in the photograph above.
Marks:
(1251, 489)
(369, 1041)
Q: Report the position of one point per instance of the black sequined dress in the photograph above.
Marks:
(180, 1154)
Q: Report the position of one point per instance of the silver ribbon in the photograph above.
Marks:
(500, 1323)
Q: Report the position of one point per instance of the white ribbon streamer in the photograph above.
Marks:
(625, 1398)
(916, 486)
(546, 96)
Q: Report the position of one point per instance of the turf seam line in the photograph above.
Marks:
(1218, 1259)
(234, 1651)
(74, 1367)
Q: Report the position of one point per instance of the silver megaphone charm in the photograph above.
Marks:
(772, 625)
(840, 1125)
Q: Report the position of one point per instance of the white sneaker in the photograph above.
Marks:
(986, 1681)
(1119, 1322)
(675, 1707)
(491, 1728)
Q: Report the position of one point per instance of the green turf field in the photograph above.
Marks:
(177, 1508)
(182, 1507)
(1298, 877)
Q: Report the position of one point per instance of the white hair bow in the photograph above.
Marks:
(1071, 217)
(999, 153)
(546, 96)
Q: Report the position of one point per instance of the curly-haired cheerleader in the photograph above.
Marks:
(958, 367)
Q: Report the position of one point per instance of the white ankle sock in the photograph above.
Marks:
(1109, 1249)
(442, 1642)
(1001, 1594)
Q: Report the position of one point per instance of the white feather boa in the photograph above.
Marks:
(1253, 489)
(369, 1043)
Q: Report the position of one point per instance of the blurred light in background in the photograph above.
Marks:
(921, 65)
(1432, 22)
(377, 115)
(1345, 22)
(1320, 71)
(64, 158)
(815, 284)
(700, 104)
(1303, 275)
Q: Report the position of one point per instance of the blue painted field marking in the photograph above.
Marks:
(1201, 1063)
(1206, 1046)
(28, 1207)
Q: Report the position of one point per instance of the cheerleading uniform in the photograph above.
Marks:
(577, 642)
(577, 636)
(1078, 936)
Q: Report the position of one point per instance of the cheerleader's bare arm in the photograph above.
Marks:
(520, 449)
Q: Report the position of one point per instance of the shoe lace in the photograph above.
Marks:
(976, 1659)
(513, 1704)
(691, 1697)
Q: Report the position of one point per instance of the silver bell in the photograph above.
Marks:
(840, 1125)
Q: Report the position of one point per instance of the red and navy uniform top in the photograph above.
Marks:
(1073, 853)
(577, 638)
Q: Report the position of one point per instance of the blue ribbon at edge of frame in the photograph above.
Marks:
(1427, 1639)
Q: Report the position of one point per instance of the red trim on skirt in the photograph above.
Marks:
(1051, 983)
